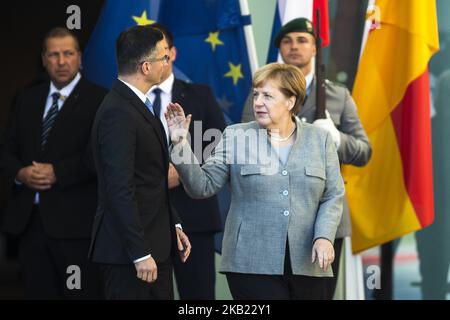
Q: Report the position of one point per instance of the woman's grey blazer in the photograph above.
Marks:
(271, 202)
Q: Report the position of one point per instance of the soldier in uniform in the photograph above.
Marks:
(297, 45)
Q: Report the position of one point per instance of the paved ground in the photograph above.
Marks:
(406, 270)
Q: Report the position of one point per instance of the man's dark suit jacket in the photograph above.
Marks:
(67, 209)
(134, 217)
(198, 100)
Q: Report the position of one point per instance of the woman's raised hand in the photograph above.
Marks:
(177, 122)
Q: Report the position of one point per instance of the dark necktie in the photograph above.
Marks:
(149, 105)
(50, 119)
(157, 102)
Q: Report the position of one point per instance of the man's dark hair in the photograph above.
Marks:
(134, 45)
(167, 34)
(59, 32)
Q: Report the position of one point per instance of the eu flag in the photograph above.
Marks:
(208, 34)
(209, 37)
(99, 58)
(212, 49)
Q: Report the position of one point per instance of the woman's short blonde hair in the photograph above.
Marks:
(290, 79)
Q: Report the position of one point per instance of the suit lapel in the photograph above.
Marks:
(273, 157)
(295, 154)
(137, 103)
(179, 96)
(177, 93)
(69, 105)
(73, 100)
(266, 156)
(155, 123)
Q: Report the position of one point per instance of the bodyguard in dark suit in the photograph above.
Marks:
(201, 218)
(134, 227)
(47, 161)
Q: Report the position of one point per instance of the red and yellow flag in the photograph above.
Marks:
(393, 194)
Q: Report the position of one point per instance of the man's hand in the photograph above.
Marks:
(147, 270)
(46, 169)
(328, 125)
(324, 252)
(184, 246)
(174, 178)
(33, 178)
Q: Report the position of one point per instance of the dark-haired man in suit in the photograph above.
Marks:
(135, 228)
(47, 161)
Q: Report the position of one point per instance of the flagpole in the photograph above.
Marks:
(387, 272)
(249, 38)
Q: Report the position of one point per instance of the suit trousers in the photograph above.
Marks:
(276, 287)
(121, 283)
(196, 277)
(330, 283)
(56, 268)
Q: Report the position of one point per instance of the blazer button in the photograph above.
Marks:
(285, 193)
(286, 213)
(284, 173)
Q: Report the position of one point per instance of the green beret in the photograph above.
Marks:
(296, 25)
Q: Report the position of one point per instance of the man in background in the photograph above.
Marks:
(47, 161)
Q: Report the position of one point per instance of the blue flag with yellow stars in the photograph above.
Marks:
(99, 57)
(208, 34)
(210, 40)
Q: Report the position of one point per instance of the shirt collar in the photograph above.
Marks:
(67, 90)
(309, 78)
(141, 96)
(165, 86)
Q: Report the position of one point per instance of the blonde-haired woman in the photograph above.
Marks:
(286, 191)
